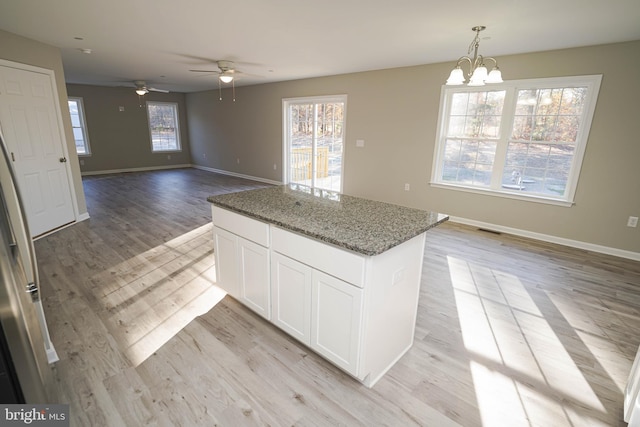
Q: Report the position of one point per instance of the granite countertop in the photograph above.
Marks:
(361, 225)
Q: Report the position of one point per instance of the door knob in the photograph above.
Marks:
(63, 159)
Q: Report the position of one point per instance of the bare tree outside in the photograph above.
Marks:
(540, 145)
(163, 126)
(316, 132)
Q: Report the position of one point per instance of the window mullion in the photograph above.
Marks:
(314, 145)
(506, 127)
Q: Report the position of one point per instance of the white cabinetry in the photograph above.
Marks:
(357, 311)
(242, 259)
(336, 314)
(317, 309)
(291, 297)
(254, 276)
(225, 248)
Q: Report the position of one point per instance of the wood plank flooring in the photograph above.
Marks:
(510, 332)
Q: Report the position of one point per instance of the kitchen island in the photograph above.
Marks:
(339, 273)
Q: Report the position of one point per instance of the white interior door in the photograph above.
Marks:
(30, 122)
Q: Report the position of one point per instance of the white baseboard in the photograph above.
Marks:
(515, 231)
(82, 217)
(143, 169)
(238, 175)
(551, 239)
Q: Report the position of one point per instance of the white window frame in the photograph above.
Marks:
(511, 87)
(177, 126)
(286, 102)
(82, 127)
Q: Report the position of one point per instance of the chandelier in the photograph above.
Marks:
(477, 74)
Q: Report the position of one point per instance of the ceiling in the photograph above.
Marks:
(159, 41)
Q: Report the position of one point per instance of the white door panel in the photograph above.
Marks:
(31, 126)
(254, 276)
(336, 320)
(225, 250)
(291, 296)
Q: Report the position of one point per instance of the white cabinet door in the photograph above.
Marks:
(225, 249)
(336, 320)
(254, 277)
(291, 296)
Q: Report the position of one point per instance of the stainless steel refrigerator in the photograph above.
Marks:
(25, 347)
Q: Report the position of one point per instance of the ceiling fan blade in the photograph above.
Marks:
(205, 71)
(239, 73)
(153, 89)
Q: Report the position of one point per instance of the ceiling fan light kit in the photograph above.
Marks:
(226, 71)
(142, 89)
(478, 75)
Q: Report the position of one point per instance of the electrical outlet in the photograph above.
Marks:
(168, 156)
(275, 167)
(238, 160)
(632, 221)
(407, 187)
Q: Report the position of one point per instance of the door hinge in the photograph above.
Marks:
(32, 289)
(13, 157)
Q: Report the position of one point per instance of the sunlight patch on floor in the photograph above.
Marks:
(520, 368)
(149, 298)
(594, 338)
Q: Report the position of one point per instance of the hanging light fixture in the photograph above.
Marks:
(477, 75)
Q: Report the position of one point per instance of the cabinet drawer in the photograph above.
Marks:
(337, 262)
(243, 226)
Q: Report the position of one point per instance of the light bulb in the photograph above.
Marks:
(225, 78)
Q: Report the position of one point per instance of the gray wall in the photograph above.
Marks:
(26, 51)
(395, 112)
(120, 140)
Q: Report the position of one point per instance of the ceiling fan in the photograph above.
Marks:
(142, 89)
(226, 74)
(226, 71)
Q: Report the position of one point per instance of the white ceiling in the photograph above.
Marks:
(275, 40)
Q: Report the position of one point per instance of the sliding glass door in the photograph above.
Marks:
(314, 141)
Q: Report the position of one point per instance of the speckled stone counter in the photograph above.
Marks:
(361, 225)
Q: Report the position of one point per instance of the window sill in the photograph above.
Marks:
(505, 194)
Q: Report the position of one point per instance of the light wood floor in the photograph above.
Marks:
(510, 332)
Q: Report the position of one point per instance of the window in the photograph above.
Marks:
(79, 126)
(314, 138)
(163, 126)
(520, 139)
